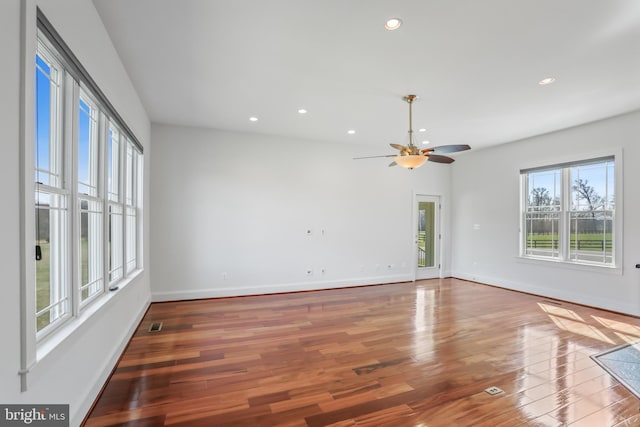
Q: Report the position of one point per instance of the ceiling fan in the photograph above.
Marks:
(411, 157)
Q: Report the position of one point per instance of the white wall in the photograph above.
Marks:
(73, 372)
(485, 188)
(238, 206)
(9, 214)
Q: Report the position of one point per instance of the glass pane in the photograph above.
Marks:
(541, 231)
(43, 265)
(46, 92)
(592, 187)
(116, 243)
(132, 234)
(591, 237)
(52, 301)
(426, 234)
(130, 174)
(91, 248)
(543, 189)
(87, 149)
(113, 155)
(611, 188)
(591, 216)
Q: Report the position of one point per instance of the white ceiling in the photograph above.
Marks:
(474, 64)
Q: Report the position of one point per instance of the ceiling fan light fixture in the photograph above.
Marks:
(410, 156)
(393, 24)
(411, 161)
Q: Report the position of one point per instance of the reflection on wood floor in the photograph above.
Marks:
(403, 354)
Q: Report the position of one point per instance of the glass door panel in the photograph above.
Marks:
(427, 237)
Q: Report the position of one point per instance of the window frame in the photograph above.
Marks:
(60, 188)
(73, 86)
(563, 259)
(131, 212)
(97, 198)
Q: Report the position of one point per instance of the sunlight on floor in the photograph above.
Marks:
(629, 339)
(619, 326)
(570, 321)
(580, 328)
(559, 311)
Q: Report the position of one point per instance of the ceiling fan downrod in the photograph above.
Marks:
(410, 99)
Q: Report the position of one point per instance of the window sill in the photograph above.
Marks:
(571, 265)
(55, 339)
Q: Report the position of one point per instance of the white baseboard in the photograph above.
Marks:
(107, 368)
(188, 294)
(559, 294)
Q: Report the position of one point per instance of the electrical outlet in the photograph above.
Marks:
(309, 272)
(224, 276)
(322, 271)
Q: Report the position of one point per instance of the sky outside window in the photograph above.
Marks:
(86, 149)
(44, 87)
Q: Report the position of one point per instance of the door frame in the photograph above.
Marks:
(417, 198)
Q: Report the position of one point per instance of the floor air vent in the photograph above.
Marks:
(155, 327)
(493, 390)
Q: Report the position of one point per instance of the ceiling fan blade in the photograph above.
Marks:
(402, 148)
(374, 157)
(392, 163)
(440, 159)
(448, 148)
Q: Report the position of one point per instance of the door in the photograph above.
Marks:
(427, 237)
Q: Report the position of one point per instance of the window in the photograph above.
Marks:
(87, 189)
(90, 236)
(51, 197)
(131, 194)
(569, 212)
(542, 215)
(115, 230)
(123, 169)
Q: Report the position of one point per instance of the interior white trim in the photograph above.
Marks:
(189, 294)
(555, 293)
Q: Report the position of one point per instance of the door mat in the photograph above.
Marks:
(622, 363)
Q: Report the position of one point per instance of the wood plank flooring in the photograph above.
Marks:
(403, 354)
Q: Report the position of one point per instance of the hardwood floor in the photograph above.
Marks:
(402, 354)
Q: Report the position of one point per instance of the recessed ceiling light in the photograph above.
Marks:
(302, 111)
(351, 131)
(253, 119)
(422, 130)
(393, 24)
(426, 142)
(547, 81)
